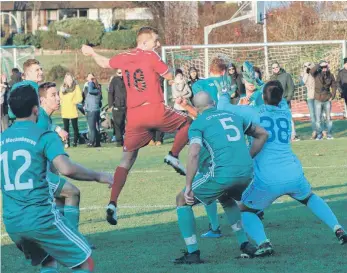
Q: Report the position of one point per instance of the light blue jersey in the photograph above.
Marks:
(276, 159)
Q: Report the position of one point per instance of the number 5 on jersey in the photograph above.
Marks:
(226, 123)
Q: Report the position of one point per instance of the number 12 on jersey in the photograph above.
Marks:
(18, 184)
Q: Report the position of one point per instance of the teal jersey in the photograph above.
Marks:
(222, 135)
(276, 158)
(44, 120)
(208, 85)
(27, 199)
(19, 84)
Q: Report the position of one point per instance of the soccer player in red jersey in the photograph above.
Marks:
(146, 111)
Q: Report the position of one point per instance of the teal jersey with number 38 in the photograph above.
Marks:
(222, 135)
(276, 162)
(25, 152)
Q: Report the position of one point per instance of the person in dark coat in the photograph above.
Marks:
(117, 104)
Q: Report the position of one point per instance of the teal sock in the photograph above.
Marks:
(321, 209)
(186, 223)
(47, 269)
(81, 271)
(72, 214)
(212, 214)
(233, 215)
(253, 227)
(60, 208)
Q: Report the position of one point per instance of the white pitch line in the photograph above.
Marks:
(167, 171)
(133, 207)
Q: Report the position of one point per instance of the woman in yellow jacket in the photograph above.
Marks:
(70, 95)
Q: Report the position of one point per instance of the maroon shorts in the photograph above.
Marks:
(143, 120)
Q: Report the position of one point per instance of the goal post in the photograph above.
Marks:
(290, 55)
(14, 57)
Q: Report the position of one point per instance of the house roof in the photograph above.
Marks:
(46, 5)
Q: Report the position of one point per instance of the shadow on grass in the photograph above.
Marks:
(297, 236)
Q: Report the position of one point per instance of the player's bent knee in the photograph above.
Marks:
(70, 189)
(244, 208)
(87, 266)
(305, 201)
(180, 201)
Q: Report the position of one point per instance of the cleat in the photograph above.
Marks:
(175, 163)
(212, 233)
(314, 135)
(330, 137)
(341, 236)
(325, 134)
(319, 137)
(111, 214)
(295, 139)
(260, 215)
(248, 250)
(151, 143)
(265, 249)
(189, 258)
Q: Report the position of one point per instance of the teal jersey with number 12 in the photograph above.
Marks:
(25, 152)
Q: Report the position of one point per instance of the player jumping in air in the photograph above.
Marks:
(277, 172)
(29, 214)
(146, 110)
(230, 172)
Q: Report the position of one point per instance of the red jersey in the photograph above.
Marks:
(141, 73)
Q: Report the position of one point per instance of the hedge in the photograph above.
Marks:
(81, 30)
(122, 39)
(56, 73)
(50, 40)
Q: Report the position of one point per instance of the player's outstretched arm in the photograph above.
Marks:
(102, 61)
(260, 136)
(75, 171)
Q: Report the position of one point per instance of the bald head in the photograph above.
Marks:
(202, 101)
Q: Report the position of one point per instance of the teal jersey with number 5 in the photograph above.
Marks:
(276, 162)
(25, 152)
(222, 135)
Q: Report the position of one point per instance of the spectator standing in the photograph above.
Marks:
(236, 78)
(70, 95)
(193, 78)
(4, 89)
(325, 91)
(117, 104)
(342, 83)
(15, 77)
(286, 80)
(308, 81)
(92, 107)
(180, 91)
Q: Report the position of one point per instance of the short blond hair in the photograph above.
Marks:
(217, 65)
(29, 63)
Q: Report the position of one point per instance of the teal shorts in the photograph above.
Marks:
(56, 183)
(60, 241)
(207, 188)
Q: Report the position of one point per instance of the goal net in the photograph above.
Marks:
(14, 57)
(291, 56)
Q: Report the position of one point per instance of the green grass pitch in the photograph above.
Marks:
(147, 238)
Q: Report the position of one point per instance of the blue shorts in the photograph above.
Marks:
(260, 195)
